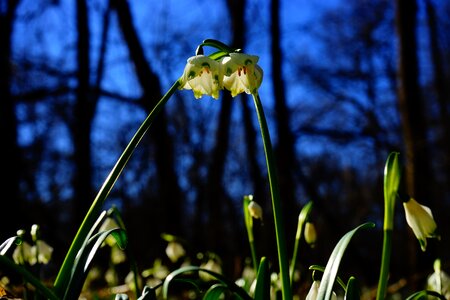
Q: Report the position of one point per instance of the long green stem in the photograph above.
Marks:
(65, 272)
(385, 262)
(249, 226)
(302, 217)
(276, 203)
(391, 182)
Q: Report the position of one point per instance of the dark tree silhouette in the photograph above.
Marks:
(10, 154)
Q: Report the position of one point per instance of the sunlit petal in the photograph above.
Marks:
(421, 221)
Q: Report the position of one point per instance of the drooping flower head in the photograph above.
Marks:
(242, 74)
(203, 76)
(421, 221)
(255, 210)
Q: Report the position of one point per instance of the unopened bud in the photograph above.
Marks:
(310, 234)
(255, 210)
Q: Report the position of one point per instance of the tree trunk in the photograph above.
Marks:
(417, 176)
(10, 157)
(169, 190)
(284, 150)
(83, 116)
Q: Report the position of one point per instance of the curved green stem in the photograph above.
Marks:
(276, 203)
(65, 272)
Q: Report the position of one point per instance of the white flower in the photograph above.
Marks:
(174, 251)
(439, 281)
(22, 253)
(242, 74)
(203, 76)
(210, 265)
(255, 210)
(312, 294)
(40, 253)
(420, 219)
(310, 234)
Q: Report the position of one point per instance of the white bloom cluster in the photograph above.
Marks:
(237, 73)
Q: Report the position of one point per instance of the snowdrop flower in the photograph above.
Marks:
(242, 74)
(41, 253)
(174, 251)
(203, 76)
(22, 253)
(310, 234)
(420, 219)
(439, 281)
(255, 210)
(312, 294)
(211, 265)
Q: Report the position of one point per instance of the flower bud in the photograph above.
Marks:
(310, 234)
(175, 251)
(255, 210)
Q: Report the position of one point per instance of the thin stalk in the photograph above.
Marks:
(65, 272)
(249, 226)
(276, 203)
(298, 237)
(385, 262)
(302, 217)
(390, 187)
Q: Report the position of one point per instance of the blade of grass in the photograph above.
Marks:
(262, 289)
(64, 273)
(331, 269)
(224, 280)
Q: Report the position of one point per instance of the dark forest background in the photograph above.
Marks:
(345, 83)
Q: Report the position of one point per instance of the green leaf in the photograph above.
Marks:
(28, 276)
(322, 269)
(84, 258)
(390, 184)
(353, 291)
(215, 292)
(262, 289)
(15, 240)
(424, 295)
(331, 269)
(225, 281)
